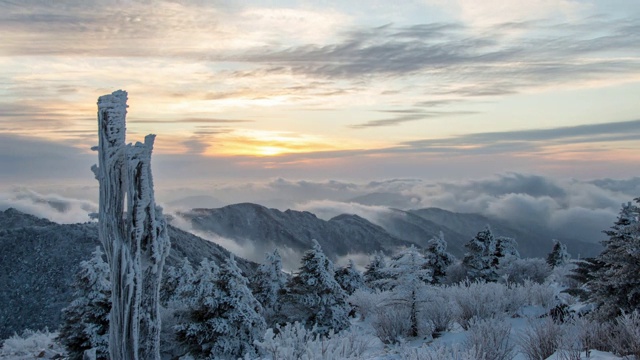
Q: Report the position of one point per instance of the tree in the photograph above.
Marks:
(374, 271)
(349, 278)
(268, 282)
(558, 255)
(177, 284)
(481, 261)
(408, 274)
(438, 259)
(136, 246)
(313, 296)
(616, 288)
(506, 250)
(224, 321)
(85, 322)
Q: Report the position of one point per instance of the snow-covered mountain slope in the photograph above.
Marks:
(263, 229)
(38, 260)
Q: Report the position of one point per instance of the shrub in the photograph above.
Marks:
(624, 337)
(489, 339)
(438, 310)
(438, 352)
(295, 342)
(519, 270)
(392, 323)
(541, 339)
(479, 300)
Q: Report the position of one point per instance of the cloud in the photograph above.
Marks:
(327, 209)
(53, 207)
(412, 115)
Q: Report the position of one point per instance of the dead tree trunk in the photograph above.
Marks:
(136, 246)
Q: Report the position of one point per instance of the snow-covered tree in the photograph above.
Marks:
(85, 322)
(349, 278)
(374, 271)
(313, 296)
(506, 250)
(136, 246)
(177, 284)
(407, 275)
(224, 321)
(438, 259)
(558, 255)
(267, 284)
(481, 261)
(616, 288)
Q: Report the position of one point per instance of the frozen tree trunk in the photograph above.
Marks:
(136, 246)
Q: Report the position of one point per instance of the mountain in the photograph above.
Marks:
(264, 229)
(39, 259)
(533, 241)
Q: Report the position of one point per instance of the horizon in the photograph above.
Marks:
(430, 90)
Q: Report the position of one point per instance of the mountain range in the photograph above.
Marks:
(38, 258)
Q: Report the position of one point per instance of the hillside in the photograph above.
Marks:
(38, 260)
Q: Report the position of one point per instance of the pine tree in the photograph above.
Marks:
(506, 250)
(616, 288)
(225, 320)
(313, 296)
(268, 282)
(481, 261)
(85, 322)
(558, 255)
(349, 278)
(374, 271)
(408, 274)
(177, 283)
(438, 259)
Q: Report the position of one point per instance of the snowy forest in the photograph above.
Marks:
(414, 303)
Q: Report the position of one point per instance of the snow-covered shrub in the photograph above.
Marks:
(479, 300)
(366, 301)
(438, 310)
(285, 342)
(541, 339)
(519, 270)
(540, 294)
(295, 342)
(489, 339)
(438, 352)
(392, 323)
(625, 335)
(31, 345)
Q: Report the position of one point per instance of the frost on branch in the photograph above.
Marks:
(136, 246)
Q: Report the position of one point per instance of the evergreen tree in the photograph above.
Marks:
(349, 278)
(558, 255)
(616, 288)
(313, 296)
(85, 322)
(268, 282)
(225, 320)
(481, 261)
(584, 274)
(374, 271)
(408, 274)
(177, 283)
(438, 259)
(506, 250)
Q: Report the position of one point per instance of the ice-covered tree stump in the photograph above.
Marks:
(136, 245)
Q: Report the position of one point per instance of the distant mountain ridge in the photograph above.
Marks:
(265, 229)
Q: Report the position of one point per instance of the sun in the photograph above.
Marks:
(270, 150)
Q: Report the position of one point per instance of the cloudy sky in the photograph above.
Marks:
(354, 90)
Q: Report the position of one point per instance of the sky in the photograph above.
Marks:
(244, 91)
